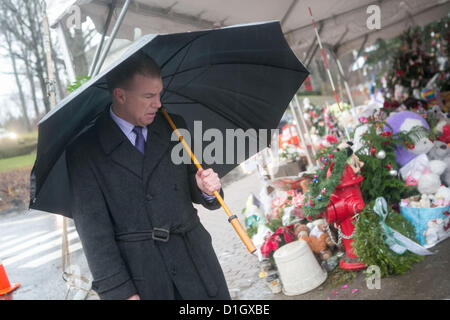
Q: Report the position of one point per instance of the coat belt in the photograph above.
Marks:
(160, 234)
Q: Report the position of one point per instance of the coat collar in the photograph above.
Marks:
(116, 145)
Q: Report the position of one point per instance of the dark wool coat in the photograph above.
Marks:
(119, 195)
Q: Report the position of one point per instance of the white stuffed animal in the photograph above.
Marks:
(440, 151)
(429, 183)
(442, 197)
(424, 201)
(437, 230)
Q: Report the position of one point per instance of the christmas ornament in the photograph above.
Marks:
(381, 154)
(393, 173)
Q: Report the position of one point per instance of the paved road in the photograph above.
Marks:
(30, 246)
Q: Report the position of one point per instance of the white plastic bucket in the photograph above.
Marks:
(298, 268)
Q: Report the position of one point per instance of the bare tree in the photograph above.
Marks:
(9, 44)
(79, 40)
(22, 19)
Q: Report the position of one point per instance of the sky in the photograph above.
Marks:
(8, 88)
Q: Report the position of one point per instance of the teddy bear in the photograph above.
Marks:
(437, 230)
(441, 151)
(317, 238)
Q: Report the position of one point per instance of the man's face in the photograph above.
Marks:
(141, 100)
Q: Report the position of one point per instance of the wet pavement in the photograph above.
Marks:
(30, 248)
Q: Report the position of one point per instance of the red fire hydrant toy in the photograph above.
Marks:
(345, 202)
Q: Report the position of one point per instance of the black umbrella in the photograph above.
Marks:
(237, 77)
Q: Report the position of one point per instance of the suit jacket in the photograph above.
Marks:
(118, 197)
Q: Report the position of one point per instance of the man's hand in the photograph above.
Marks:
(134, 297)
(208, 181)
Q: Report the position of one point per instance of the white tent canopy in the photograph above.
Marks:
(342, 24)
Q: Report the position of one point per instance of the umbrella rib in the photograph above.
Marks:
(227, 117)
(176, 52)
(189, 45)
(236, 63)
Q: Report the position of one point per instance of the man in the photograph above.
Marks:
(132, 206)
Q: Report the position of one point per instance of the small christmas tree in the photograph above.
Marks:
(380, 170)
(412, 67)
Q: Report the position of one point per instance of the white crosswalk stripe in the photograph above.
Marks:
(51, 256)
(7, 243)
(36, 241)
(37, 249)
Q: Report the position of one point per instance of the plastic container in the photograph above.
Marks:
(298, 268)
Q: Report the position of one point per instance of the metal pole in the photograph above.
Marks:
(100, 45)
(347, 88)
(111, 38)
(66, 54)
(300, 133)
(50, 69)
(302, 118)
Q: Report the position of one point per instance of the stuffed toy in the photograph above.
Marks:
(405, 121)
(429, 183)
(415, 163)
(442, 197)
(318, 240)
(437, 229)
(304, 184)
(441, 151)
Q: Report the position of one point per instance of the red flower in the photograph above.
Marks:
(386, 134)
(332, 139)
(270, 245)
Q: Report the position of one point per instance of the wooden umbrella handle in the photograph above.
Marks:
(231, 217)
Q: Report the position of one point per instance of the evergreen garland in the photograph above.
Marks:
(369, 243)
(320, 190)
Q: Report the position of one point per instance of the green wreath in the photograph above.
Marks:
(318, 197)
(369, 245)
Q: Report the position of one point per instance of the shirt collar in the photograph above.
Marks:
(123, 124)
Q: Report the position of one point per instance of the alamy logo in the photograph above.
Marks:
(373, 281)
(374, 20)
(74, 17)
(233, 148)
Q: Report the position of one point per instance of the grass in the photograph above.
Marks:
(24, 144)
(17, 162)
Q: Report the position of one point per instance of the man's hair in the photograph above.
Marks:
(138, 63)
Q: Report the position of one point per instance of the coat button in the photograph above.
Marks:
(149, 197)
(173, 271)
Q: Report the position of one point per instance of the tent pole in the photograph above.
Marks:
(66, 54)
(50, 67)
(111, 38)
(300, 133)
(302, 119)
(100, 45)
(347, 87)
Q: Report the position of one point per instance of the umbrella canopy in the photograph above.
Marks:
(240, 77)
